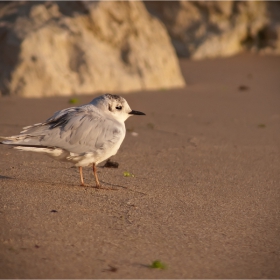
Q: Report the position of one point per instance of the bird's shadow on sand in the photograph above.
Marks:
(5, 177)
(105, 185)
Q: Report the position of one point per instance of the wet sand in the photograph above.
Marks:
(205, 198)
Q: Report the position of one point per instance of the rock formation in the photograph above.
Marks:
(64, 48)
(207, 29)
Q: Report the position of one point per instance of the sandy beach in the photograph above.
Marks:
(204, 199)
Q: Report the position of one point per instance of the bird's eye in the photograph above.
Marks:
(119, 107)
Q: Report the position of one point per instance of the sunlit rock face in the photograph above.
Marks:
(207, 29)
(65, 48)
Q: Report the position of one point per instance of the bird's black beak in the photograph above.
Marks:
(136, 113)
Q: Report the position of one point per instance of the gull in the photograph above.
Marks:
(84, 135)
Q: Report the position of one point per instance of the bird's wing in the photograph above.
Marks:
(77, 129)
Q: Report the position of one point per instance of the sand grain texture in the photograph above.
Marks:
(204, 199)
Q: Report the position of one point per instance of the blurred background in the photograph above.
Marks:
(50, 48)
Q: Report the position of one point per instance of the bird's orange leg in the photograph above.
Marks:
(81, 175)
(95, 176)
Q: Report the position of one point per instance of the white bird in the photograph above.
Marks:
(84, 135)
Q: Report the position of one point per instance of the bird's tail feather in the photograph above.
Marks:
(20, 140)
(7, 140)
(55, 153)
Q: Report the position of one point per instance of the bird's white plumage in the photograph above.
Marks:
(81, 135)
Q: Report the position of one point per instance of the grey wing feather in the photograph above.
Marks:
(56, 116)
(77, 129)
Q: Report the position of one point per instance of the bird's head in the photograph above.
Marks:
(114, 105)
